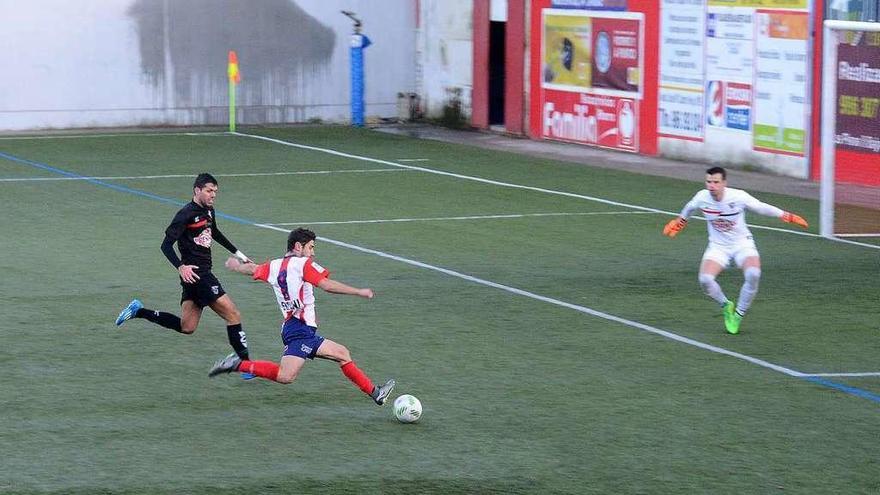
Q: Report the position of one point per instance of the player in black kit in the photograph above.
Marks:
(194, 228)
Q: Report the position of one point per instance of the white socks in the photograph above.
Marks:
(713, 290)
(749, 289)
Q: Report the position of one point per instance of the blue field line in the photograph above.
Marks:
(97, 182)
(864, 394)
(844, 388)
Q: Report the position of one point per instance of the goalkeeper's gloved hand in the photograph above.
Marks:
(242, 257)
(789, 217)
(675, 226)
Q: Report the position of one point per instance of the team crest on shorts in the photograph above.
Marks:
(215, 289)
(306, 349)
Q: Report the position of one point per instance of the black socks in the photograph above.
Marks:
(238, 340)
(166, 320)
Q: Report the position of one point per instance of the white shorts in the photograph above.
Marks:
(723, 254)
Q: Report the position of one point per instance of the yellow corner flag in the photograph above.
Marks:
(234, 75)
(234, 78)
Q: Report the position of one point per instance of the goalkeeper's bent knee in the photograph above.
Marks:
(752, 275)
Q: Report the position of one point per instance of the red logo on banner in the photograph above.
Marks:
(616, 53)
(607, 121)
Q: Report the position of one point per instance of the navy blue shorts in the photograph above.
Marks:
(299, 339)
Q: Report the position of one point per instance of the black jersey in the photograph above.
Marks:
(194, 229)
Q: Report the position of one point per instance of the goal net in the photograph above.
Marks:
(850, 177)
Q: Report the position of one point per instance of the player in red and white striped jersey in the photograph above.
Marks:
(293, 278)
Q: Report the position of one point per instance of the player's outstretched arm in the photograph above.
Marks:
(675, 226)
(235, 264)
(789, 217)
(334, 287)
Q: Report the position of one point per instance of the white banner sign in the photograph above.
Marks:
(682, 46)
(729, 44)
(780, 88)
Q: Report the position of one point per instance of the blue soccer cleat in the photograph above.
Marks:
(248, 376)
(129, 312)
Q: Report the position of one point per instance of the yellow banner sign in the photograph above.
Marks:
(567, 50)
(761, 4)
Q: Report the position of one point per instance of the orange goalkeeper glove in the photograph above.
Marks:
(675, 226)
(789, 217)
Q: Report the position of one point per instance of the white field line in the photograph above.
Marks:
(127, 134)
(859, 235)
(520, 186)
(474, 217)
(550, 300)
(582, 309)
(177, 176)
(869, 373)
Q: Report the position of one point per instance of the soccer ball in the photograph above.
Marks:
(407, 409)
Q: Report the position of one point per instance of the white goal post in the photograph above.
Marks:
(829, 115)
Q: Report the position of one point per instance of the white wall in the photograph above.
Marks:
(445, 53)
(95, 63)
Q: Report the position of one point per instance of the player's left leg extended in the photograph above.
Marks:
(339, 353)
(226, 309)
(136, 309)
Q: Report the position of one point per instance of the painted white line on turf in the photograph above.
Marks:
(815, 379)
(125, 134)
(527, 188)
(474, 217)
(869, 373)
(877, 234)
(178, 176)
(557, 302)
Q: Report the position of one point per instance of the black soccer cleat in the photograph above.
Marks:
(380, 394)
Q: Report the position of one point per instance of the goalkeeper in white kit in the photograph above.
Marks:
(729, 240)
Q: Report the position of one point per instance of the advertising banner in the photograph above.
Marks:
(596, 51)
(730, 44)
(728, 105)
(780, 83)
(590, 4)
(566, 55)
(858, 93)
(680, 113)
(680, 99)
(600, 120)
(761, 4)
(616, 54)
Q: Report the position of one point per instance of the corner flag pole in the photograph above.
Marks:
(234, 78)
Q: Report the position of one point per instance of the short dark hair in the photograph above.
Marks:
(203, 179)
(300, 235)
(717, 170)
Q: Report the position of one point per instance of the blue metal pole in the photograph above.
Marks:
(358, 43)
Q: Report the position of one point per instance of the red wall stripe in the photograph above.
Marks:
(514, 66)
(480, 88)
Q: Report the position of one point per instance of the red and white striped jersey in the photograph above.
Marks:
(294, 280)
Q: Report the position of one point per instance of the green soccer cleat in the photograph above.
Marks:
(728, 311)
(732, 323)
